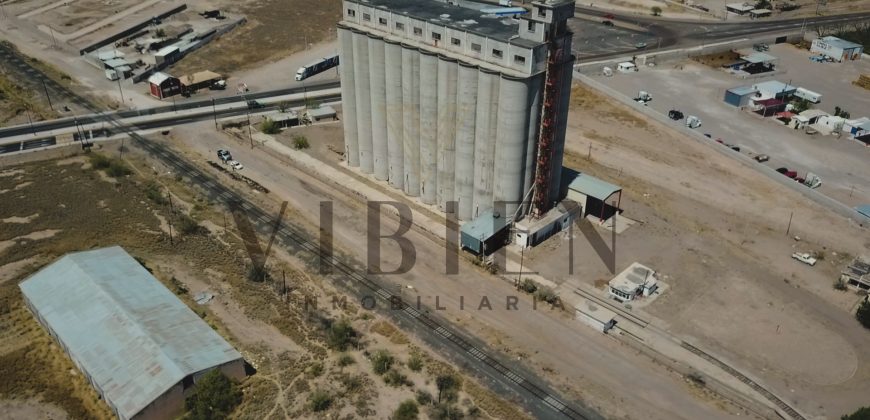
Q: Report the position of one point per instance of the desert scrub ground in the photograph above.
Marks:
(310, 361)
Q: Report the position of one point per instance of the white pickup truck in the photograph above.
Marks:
(805, 258)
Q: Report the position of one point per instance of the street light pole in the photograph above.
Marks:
(214, 114)
(120, 90)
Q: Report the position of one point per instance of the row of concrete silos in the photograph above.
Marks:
(436, 127)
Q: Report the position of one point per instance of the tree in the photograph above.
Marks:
(800, 105)
(269, 127)
(656, 11)
(863, 413)
(283, 106)
(863, 314)
(300, 142)
(407, 411)
(445, 383)
(339, 335)
(762, 4)
(214, 397)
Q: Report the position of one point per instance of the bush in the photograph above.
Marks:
(415, 363)
(445, 412)
(99, 161)
(339, 335)
(424, 397)
(407, 411)
(319, 400)
(528, 286)
(395, 379)
(863, 314)
(656, 11)
(268, 126)
(187, 225)
(382, 361)
(258, 273)
(113, 167)
(546, 294)
(863, 413)
(300, 142)
(152, 191)
(214, 397)
(315, 370)
(346, 360)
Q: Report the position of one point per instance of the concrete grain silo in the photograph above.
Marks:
(458, 105)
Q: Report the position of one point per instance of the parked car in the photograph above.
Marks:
(760, 47)
(640, 45)
(791, 174)
(805, 258)
(236, 165)
(676, 115)
(607, 22)
(708, 135)
(224, 155)
(734, 148)
(255, 105)
(762, 158)
(782, 170)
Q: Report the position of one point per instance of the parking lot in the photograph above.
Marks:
(699, 90)
(593, 38)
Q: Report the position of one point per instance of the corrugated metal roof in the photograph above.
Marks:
(742, 90)
(758, 57)
(485, 225)
(589, 185)
(128, 333)
(774, 86)
(840, 43)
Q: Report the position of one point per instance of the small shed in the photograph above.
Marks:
(595, 315)
(591, 193)
(167, 55)
(163, 85)
(739, 96)
(626, 67)
(837, 48)
(635, 281)
(485, 234)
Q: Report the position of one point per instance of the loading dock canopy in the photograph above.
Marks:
(758, 57)
(590, 185)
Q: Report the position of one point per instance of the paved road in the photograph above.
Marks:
(669, 33)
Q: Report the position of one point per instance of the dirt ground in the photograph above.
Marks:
(716, 231)
(275, 29)
(52, 207)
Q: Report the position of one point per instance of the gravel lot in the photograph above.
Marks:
(841, 163)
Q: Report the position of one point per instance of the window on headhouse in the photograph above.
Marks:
(475, 47)
(351, 12)
(367, 17)
(382, 21)
(455, 41)
(519, 59)
(497, 53)
(542, 12)
(418, 31)
(400, 26)
(531, 25)
(436, 36)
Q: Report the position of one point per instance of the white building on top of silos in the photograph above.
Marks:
(445, 102)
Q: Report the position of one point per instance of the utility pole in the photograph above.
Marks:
(30, 120)
(44, 87)
(788, 229)
(53, 40)
(120, 90)
(214, 114)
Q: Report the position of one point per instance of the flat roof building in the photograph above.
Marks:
(451, 103)
(838, 49)
(635, 281)
(140, 347)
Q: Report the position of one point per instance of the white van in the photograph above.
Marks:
(626, 67)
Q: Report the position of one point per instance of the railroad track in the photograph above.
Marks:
(300, 241)
(752, 384)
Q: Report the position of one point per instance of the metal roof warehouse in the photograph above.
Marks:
(134, 340)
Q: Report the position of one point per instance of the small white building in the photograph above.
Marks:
(827, 124)
(838, 49)
(857, 127)
(739, 8)
(774, 89)
(636, 280)
(595, 315)
(626, 67)
(531, 232)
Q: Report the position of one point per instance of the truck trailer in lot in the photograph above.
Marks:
(808, 95)
(316, 67)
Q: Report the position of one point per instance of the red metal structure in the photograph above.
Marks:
(559, 55)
